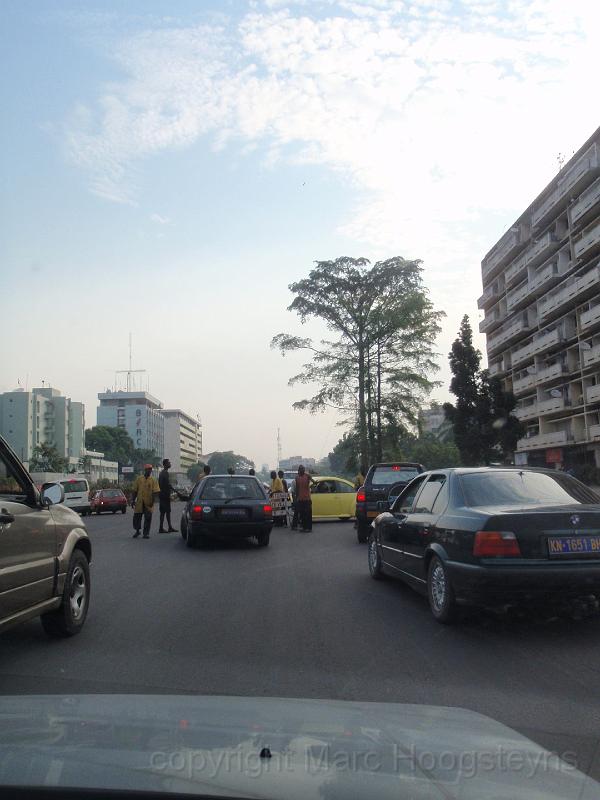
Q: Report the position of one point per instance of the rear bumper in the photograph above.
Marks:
(231, 530)
(115, 507)
(474, 582)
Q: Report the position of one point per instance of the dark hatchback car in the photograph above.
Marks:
(383, 483)
(112, 500)
(487, 536)
(228, 507)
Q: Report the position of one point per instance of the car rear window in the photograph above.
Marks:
(229, 488)
(112, 493)
(386, 476)
(522, 487)
(71, 487)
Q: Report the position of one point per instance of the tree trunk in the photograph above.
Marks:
(379, 442)
(369, 407)
(362, 414)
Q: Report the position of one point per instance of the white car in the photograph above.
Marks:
(77, 495)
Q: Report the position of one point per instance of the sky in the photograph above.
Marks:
(171, 166)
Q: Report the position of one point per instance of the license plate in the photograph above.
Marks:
(233, 513)
(569, 545)
(373, 514)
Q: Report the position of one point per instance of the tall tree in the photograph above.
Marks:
(115, 443)
(220, 462)
(195, 471)
(46, 458)
(384, 328)
(143, 456)
(484, 427)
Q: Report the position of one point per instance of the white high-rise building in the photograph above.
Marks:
(541, 296)
(183, 439)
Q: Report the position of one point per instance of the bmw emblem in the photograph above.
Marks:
(575, 519)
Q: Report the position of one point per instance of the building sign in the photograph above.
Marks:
(554, 455)
(127, 470)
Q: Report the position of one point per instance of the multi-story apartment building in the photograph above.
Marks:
(139, 413)
(541, 297)
(43, 416)
(183, 439)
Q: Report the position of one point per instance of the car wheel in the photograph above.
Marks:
(375, 567)
(362, 532)
(264, 538)
(123, 510)
(68, 619)
(191, 540)
(344, 519)
(183, 528)
(440, 593)
(97, 511)
(115, 511)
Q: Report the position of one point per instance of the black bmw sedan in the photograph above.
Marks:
(227, 506)
(490, 536)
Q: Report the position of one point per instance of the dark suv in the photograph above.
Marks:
(383, 484)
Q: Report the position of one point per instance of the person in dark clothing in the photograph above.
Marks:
(303, 499)
(164, 498)
(185, 496)
(251, 472)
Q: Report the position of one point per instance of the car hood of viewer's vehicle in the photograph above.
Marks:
(319, 749)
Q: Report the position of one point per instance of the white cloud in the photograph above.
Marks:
(446, 118)
(158, 218)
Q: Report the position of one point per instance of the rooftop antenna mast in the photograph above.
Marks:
(129, 372)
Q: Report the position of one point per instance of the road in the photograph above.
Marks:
(303, 618)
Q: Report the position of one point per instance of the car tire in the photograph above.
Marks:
(115, 511)
(123, 510)
(191, 540)
(440, 593)
(98, 511)
(264, 538)
(362, 532)
(69, 617)
(344, 519)
(183, 528)
(374, 558)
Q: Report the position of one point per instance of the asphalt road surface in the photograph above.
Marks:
(303, 618)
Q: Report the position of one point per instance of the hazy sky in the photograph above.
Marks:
(170, 166)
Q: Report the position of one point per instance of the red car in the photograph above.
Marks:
(108, 500)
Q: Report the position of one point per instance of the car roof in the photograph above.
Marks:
(330, 478)
(397, 464)
(483, 470)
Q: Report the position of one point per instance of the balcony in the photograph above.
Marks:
(524, 384)
(553, 439)
(588, 241)
(572, 177)
(591, 356)
(594, 431)
(586, 202)
(590, 318)
(516, 270)
(489, 296)
(541, 249)
(544, 342)
(551, 405)
(496, 369)
(549, 374)
(517, 297)
(492, 320)
(592, 394)
(526, 412)
(501, 252)
(512, 331)
(566, 295)
(544, 278)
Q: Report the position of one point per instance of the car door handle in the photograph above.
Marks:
(6, 518)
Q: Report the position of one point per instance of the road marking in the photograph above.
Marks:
(54, 772)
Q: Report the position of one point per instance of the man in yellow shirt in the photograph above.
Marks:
(144, 492)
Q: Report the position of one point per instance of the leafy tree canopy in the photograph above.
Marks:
(221, 461)
(115, 443)
(46, 458)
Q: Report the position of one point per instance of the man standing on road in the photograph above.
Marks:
(303, 501)
(360, 478)
(144, 491)
(164, 500)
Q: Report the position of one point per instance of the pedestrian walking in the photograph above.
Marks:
(303, 499)
(277, 499)
(144, 492)
(164, 499)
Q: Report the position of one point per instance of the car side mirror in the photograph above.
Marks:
(52, 494)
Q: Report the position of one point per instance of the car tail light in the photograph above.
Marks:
(361, 497)
(196, 512)
(495, 543)
(268, 510)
